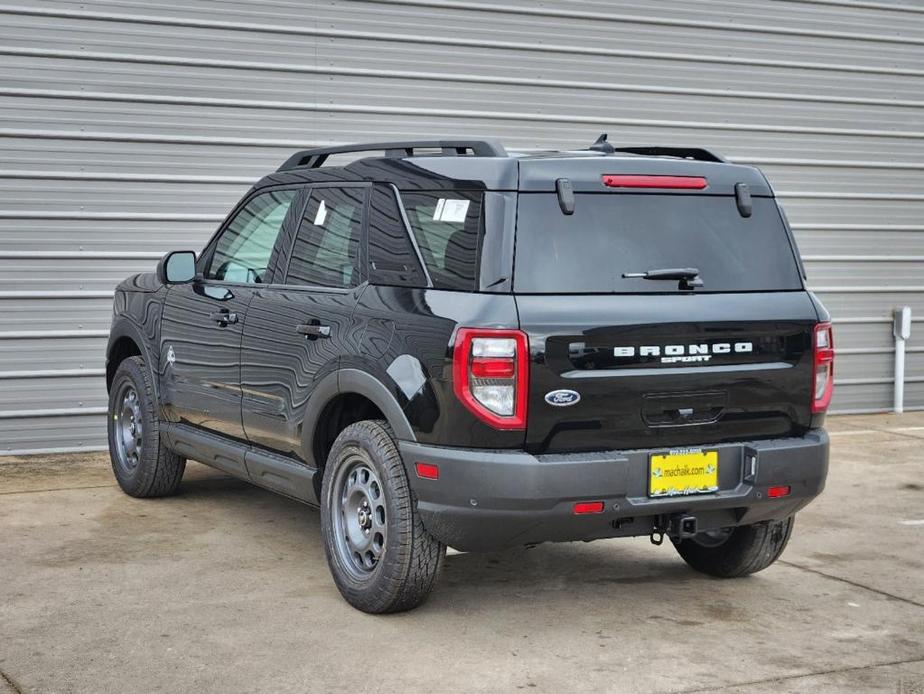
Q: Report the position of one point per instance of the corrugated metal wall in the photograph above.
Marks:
(128, 128)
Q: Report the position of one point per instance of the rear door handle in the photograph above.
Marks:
(223, 317)
(313, 330)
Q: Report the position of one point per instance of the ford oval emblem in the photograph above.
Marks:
(562, 398)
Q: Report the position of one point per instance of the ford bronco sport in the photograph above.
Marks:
(450, 345)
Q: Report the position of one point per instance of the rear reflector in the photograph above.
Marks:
(427, 471)
(777, 492)
(641, 181)
(584, 507)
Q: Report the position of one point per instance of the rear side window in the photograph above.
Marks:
(392, 259)
(447, 227)
(612, 234)
(326, 249)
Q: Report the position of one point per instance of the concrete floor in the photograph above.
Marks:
(225, 589)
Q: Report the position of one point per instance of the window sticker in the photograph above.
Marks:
(321, 215)
(449, 210)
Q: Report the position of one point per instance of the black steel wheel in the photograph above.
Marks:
(129, 426)
(360, 525)
(381, 557)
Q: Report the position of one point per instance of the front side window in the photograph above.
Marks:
(243, 251)
(326, 249)
(447, 227)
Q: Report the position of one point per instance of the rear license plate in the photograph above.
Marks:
(687, 471)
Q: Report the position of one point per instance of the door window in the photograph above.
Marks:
(326, 249)
(243, 251)
(392, 259)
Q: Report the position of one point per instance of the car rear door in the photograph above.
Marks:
(624, 362)
(203, 320)
(298, 327)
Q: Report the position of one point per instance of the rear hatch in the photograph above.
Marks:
(626, 362)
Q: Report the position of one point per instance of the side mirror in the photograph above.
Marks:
(177, 267)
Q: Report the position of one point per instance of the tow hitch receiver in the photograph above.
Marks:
(683, 527)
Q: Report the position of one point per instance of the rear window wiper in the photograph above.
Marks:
(687, 276)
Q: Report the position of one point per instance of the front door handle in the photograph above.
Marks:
(223, 317)
(313, 330)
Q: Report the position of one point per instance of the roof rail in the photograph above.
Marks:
(697, 153)
(315, 158)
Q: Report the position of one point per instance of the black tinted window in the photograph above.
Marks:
(611, 234)
(392, 259)
(447, 227)
(243, 250)
(326, 249)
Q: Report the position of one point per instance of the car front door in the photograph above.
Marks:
(298, 327)
(203, 321)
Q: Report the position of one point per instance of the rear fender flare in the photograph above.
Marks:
(361, 383)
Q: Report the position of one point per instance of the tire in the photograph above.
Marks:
(380, 556)
(141, 463)
(744, 550)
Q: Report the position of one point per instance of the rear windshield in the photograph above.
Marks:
(612, 234)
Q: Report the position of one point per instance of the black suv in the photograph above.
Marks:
(447, 344)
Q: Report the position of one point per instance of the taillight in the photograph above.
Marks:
(490, 374)
(823, 378)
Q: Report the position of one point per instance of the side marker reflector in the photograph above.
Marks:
(427, 471)
(777, 492)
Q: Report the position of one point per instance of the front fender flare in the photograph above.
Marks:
(125, 327)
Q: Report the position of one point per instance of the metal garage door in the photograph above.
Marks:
(128, 128)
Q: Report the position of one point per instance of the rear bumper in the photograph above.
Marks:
(489, 499)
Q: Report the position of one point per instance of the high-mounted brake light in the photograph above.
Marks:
(645, 181)
(490, 374)
(823, 369)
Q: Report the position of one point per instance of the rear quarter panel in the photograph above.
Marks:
(407, 345)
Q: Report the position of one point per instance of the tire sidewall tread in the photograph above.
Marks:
(749, 549)
(412, 558)
(159, 470)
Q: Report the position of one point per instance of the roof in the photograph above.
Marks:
(473, 164)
